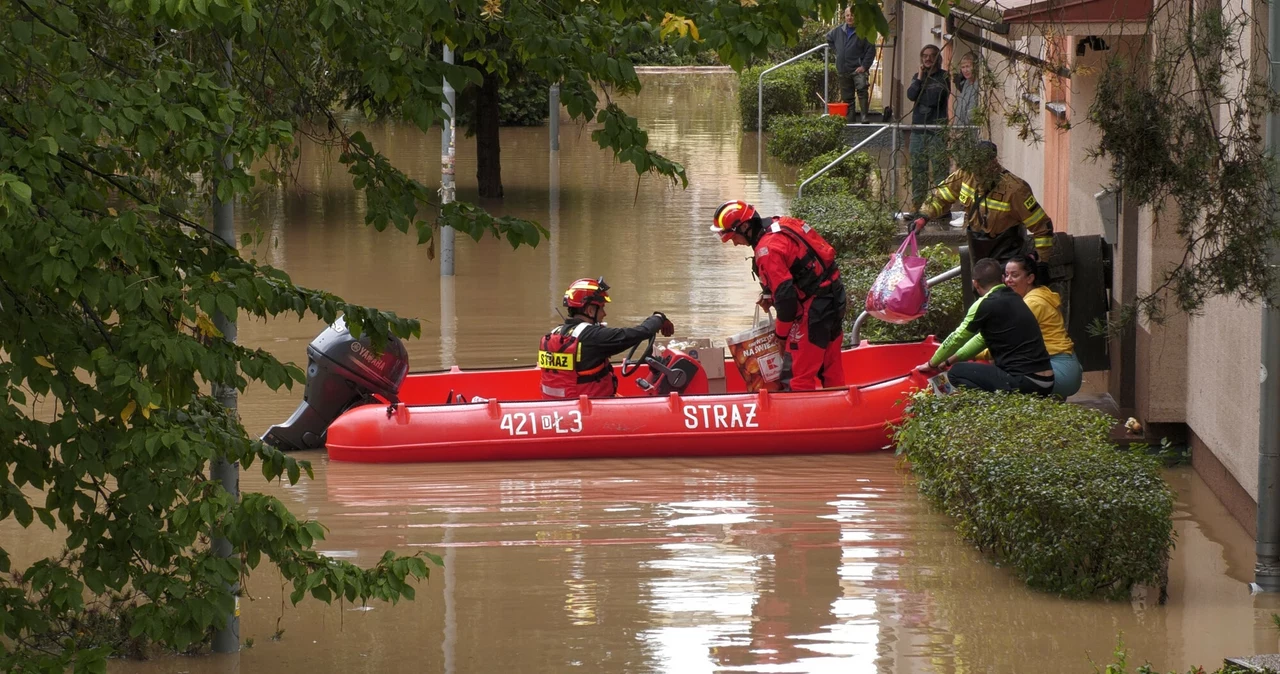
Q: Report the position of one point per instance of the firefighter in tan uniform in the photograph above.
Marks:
(1001, 213)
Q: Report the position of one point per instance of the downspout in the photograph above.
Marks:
(1267, 571)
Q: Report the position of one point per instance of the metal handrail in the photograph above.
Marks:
(826, 94)
(856, 330)
(896, 128)
(824, 169)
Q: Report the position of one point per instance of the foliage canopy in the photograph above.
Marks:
(121, 123)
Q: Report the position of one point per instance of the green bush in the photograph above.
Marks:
(855, 227)
(522, 101)
(789, 90)
(811, 71)
(797, 139)
(810, 35)
(1037, 485)
(665, 55)
(946, 300)
(855, 175)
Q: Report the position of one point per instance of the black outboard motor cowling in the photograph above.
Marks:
(341, 372)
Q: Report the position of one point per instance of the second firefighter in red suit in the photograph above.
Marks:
(797, 270)
(574, 357)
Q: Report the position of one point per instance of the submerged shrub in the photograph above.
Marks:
(796, 139)
(811, 34)
(855, 227)
(856, 175)
(946, 300)
(1036, 485)
(789, 90)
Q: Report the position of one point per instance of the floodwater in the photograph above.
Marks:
(763, 564)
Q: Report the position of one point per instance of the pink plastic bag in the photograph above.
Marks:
(901, 292)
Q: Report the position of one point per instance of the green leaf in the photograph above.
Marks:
(48, 144)
(227, 305)
(18, 188)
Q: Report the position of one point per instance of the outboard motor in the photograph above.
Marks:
(341, 373)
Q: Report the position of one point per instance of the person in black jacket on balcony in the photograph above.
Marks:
(854, 58)
(930, 90)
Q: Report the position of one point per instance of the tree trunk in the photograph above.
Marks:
(488, 149)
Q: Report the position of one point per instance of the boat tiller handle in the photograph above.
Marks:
(677, 378)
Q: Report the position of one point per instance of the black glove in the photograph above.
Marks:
(668, 328)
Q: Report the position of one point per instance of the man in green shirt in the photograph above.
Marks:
(1000, 322)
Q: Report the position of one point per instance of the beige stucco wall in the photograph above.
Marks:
(1024, 158)
(1088, 176)
(1224, 353)
(1224, 347)
(1162, 346)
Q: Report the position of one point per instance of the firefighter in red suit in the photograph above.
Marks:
(574, 357)
(797, 271)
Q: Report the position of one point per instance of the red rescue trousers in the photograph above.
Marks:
(804, 364)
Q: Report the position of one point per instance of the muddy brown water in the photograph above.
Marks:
(763, 564)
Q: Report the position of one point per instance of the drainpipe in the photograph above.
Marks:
(1267, 571)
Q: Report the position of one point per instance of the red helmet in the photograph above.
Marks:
(731, 218)
(585, 292)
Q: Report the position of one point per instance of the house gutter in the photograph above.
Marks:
(1267, 570)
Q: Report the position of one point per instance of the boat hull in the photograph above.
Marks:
(844, 420)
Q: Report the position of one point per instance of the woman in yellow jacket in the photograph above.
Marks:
(1021, 275)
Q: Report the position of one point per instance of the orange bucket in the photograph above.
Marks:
(840, 109)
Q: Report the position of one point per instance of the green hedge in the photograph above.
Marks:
(798, 139)
(522, 101)
(1036, 485)
(855, 175)
(853, 226)
(664, 54)
(789, 90)
(946, 300)
(810, 35)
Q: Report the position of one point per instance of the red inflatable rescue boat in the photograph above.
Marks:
(364, 407)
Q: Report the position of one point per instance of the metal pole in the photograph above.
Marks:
(760, 105)
(1267, 571)
(227, 639)
(448, 323)
(446, 172)
(553, 229)
(555, 117)
(826, 75)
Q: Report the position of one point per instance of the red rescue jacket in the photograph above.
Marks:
(794, 264)
(560, 359)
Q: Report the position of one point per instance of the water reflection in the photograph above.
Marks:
(748, 565)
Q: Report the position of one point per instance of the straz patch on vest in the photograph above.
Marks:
(555, 361)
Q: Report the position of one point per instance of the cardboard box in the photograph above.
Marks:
(710, 357)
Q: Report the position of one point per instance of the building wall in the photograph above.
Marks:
(1087, 176)
(1162, 346)
(1224, 349)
